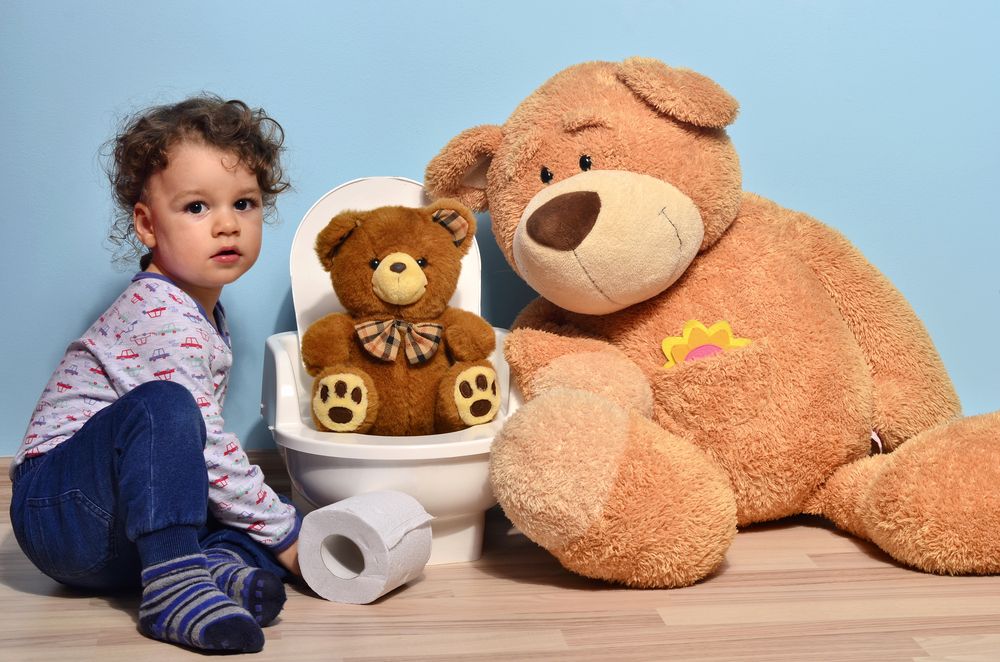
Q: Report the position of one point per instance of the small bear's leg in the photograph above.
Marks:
(344, 399)
(468, 394)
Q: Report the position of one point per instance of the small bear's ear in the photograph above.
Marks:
(457, 219)
(459, 170)
(680, 93)
(332, 237)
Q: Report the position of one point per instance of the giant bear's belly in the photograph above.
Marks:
(780, 394)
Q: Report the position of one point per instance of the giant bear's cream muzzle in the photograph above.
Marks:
(603, 240)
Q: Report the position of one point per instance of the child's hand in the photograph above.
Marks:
(290, 558)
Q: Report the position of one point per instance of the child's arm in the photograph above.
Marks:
(169, 339)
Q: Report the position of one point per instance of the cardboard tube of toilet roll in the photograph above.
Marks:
(359, 549)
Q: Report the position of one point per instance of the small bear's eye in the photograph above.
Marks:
(422, 262)
(374, 263)
(546, 175)
(585, 163)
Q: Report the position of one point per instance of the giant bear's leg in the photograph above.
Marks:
(612, 495)
(934, 503)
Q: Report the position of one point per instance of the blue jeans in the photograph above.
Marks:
(137, 466)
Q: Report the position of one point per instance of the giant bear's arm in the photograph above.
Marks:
(912, 389)
(327, 342)
(545, 351)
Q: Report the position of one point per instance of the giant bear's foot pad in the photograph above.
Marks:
(340, 402)
(476, 395)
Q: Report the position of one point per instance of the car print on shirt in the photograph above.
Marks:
(141, 338)
(164, 375)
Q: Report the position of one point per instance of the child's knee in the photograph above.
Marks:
(170, 406)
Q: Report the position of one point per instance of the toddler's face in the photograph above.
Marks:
(202, 217)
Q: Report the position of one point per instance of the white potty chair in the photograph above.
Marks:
(446, 473)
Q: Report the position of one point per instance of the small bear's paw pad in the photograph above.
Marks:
(341, 402)
(476, 395)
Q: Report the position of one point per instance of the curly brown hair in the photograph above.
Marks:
(141, 147)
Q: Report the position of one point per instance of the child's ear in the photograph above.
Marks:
(336, 232)
(457, 219)
(142, 222)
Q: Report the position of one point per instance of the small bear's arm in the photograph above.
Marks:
(544, 352)
(912, 389)
(326, 342)
(467, 336)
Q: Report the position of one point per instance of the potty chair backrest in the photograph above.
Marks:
(312, 294)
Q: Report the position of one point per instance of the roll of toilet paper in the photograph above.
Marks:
(359, 549)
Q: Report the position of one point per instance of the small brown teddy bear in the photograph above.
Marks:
(400, 361)
(702, 358)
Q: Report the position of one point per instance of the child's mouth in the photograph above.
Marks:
(227, 255)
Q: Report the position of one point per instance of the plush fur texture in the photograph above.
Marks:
(633, 472)
(399, 263)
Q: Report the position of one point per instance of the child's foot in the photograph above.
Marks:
(258, 591)
(181, 604)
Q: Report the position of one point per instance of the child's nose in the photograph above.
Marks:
(227, 223)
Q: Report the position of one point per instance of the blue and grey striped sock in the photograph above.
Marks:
(258, 591)
(181, 604)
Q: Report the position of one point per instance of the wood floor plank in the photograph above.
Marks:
(789, 591)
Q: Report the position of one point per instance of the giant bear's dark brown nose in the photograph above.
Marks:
(564, 221)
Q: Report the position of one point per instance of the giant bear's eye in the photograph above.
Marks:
(546, 175)
(374, 263)
(585, 163)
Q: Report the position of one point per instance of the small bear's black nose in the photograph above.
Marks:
(565, 221)
(397, 267)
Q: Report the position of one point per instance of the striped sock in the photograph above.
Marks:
(181, 604)
(258, 591)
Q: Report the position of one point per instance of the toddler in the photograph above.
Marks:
(126, 477)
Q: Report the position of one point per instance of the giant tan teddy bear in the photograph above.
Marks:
(701, 358)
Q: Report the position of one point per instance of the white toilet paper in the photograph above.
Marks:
(361, 548)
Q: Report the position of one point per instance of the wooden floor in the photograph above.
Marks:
(796, 590)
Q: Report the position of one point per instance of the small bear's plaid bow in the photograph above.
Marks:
(382, 339)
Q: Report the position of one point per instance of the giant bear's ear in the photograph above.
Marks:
(459, 170)
(680, 93)
(336, 232)
(457, 219)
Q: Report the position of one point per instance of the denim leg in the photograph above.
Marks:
(134, 468)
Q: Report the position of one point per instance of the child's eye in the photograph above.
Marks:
(245, 204)
(195, 207)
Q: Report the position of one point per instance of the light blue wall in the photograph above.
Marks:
(878, 118)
